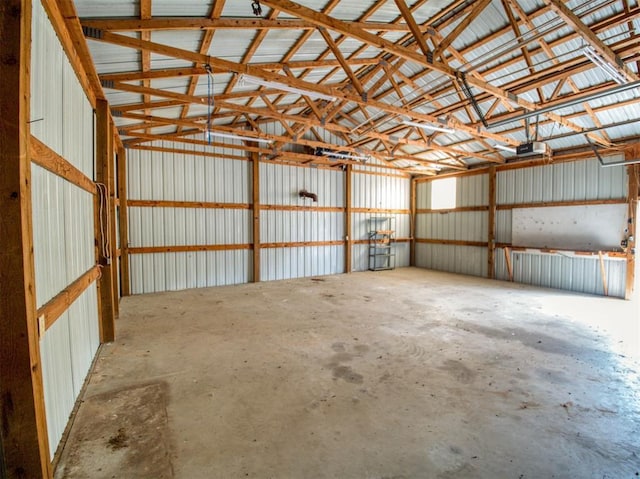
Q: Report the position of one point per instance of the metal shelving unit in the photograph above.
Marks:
(382, 254)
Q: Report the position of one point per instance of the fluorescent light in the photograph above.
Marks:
(426, 126)
(209, 134)
(345, 156)
(612, 72)
(281, 86)
(510, 149)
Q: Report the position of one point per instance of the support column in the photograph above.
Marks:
(632, 196)
(104, 259)
(112, 218)
(348, 243)
(255, 160)
(412, 222)
(24, 442)
(123, 217)
(491, 240)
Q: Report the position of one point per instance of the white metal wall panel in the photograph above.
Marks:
(470, 260)
(61, 114)
(47, 79)
(166, 176)
(287, 263)
(281, 184)
(300, 226)
(423, 195)
(574, 181)
(461, 226)
(68, 349)
(62, 233)
(188, 226)
(376, 191)
(57, 377)
(472, 191)
(152, 273)
(503, 226)
(63, 217)
(571, 273)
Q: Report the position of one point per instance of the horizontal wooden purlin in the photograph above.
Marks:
(482, 244)
(57, 306)
(302, 244)
(386, 211)
(543, 204)
(395, 240)
(187, 204)
(379, 173)
(461, 209)
(48, 159)
(200, 23)
(188, 249)
(320, 209)
(188, 152)
(522, 249)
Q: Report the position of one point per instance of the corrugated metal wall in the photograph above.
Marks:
(464, 226)
(299, 237)
(62, 118)
(377, 192)
(177, 177)
(575, 181)
(280, 186)
(562, 182)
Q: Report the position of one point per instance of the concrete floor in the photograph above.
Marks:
(400, 374)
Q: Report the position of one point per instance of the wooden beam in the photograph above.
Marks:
(240, 68)
(491, 267)
(255, 191)
(123, 216)
(507, 259)
(634, 184)
(452, 242)
(416, 30)
(104, 161)
(187, 204)
(201, 23)
(348, 201)
(603, 274)
(57, 306)
(24, 442)
(413, 193)
(455, 33)
(48, 159)
(113, 237)
(188, 248)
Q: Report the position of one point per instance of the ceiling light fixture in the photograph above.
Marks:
(209, 134)
(281, 86)
(612, 71)
(344, 156)
(426, 126)
(510, 149)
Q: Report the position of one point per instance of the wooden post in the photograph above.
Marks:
(603, 274)
(255, 159)
(507, 258)
(104, 258)
(112, 218)
(412, 222)
(348, 241)
(632, 197)
(24, 444)
(491, 240)
(125, 285)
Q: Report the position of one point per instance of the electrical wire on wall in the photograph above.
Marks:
(210, 101)
(105, 219)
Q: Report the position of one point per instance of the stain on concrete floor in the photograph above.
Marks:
(405, 378)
